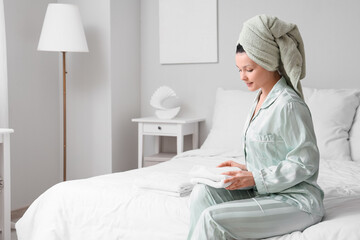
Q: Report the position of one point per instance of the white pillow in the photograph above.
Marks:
(333, 112)
(355, 137)
(230, 113)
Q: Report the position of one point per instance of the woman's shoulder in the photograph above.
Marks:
(289, 95)
(289, 99)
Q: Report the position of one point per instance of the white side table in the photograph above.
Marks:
(177, 127)
(5, 204)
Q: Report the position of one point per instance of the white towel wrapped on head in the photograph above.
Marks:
(275, 45)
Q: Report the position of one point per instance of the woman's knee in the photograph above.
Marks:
(200, 198)
(210, 228)
(200, 191)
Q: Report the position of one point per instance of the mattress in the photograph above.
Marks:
(111, 207)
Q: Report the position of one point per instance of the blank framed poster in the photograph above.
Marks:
(188, 31)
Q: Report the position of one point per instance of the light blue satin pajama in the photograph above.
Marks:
(280, 150)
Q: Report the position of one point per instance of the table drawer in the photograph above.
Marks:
(159, 128)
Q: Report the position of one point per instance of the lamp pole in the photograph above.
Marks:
(64, 114)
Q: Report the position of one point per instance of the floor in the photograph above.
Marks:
(13, 235)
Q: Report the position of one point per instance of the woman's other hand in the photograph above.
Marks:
(231, 163)
(239, 179)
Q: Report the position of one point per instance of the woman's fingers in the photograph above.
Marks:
(239, 179)
(231, 163)
(229, 180)
(224, 164)
(231, 173)
(232, 186)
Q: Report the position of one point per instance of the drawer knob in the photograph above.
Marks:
(159, 127)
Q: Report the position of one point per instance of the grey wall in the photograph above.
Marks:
(103, 89)
(102, 96)
(329, 29)
(33, 103)
(125, 81)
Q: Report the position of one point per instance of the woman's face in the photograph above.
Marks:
(253, 74)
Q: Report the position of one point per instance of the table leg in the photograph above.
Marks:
(157, 143)
(140, 145)
(180, 140)
(195, 136)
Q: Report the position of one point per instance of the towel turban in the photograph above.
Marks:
(275, 45)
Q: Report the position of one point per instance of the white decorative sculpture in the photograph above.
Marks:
(166, 103)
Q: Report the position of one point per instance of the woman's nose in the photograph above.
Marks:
(243, 76)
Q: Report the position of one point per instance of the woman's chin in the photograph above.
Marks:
(252, 89)
(250, 86)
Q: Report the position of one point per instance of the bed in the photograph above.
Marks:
(113, 207)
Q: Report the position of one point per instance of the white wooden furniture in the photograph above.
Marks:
(5, 206)
(177, 127)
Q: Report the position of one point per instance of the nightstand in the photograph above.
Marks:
(177, 127)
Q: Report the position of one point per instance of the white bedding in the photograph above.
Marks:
(110, 207)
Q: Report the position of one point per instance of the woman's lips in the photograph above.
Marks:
(249, 84)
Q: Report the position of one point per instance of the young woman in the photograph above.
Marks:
(282, 158)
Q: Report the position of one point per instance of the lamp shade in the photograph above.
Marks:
(62, 29)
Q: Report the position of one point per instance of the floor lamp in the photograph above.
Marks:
(63, 32)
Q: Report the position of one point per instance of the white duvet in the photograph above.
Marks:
(111, 207)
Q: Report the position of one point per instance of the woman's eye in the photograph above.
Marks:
(250, 70)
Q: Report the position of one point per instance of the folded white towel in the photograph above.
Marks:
(169, 193)
(173, 184)
(211, 183)
(211, 176)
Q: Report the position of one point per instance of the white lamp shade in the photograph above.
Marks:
(62, 29)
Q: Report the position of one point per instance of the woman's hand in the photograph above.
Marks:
(233, 164)
(239, 179)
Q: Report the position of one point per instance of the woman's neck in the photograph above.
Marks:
(265, 90)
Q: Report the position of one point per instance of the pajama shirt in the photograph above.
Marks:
(281, 152)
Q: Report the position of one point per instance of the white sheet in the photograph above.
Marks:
(110, 207)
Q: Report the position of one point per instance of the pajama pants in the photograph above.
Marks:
(222, 214)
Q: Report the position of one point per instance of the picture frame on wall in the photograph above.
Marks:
(188, 31)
